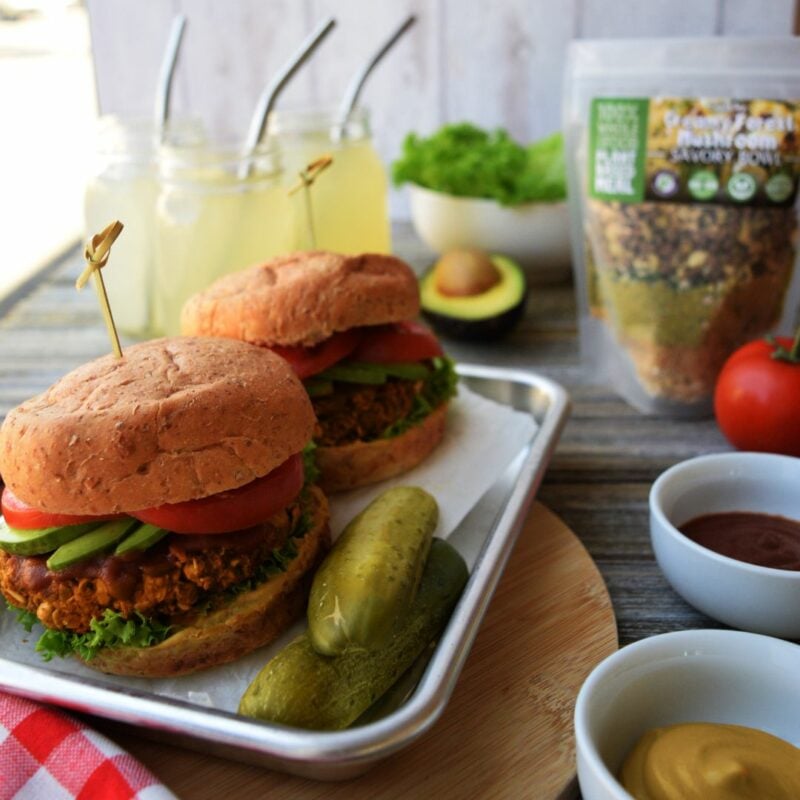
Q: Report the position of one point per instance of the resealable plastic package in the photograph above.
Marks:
(683, 163)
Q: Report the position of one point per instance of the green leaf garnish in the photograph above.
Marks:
(310, 468)
(111, 630)
(463, 160)
(439, 386)
(25, 618)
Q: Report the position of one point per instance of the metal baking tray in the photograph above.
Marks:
(486, 538)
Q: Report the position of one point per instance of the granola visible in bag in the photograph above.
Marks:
(684, 212)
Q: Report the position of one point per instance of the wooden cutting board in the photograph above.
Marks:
(507, 731)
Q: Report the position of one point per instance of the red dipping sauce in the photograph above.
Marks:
(763, 539)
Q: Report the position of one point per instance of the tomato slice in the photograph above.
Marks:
(18, 514)
(234, 510)
(401, 341)
(308, 361)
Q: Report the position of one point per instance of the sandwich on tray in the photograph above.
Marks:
(157, 518)
(379, 381)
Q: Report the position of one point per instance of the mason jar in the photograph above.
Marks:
(123, 185)
(218, 210)
(349, 200)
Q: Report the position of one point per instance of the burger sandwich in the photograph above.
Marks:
(379, 381)
(157, 518)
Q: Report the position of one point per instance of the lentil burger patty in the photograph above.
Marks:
(355, 412)
(166, 580)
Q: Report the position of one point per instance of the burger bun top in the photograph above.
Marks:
(303, 298)
(173, 420)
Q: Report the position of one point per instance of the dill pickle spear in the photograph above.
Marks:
(371, 575)
(301, 688)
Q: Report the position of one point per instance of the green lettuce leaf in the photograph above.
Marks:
(440, 386)
(464, 160)
(310, 468)
(278, 561)
(111, 630)
(25, 618)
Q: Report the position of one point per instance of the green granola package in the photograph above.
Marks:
(683, 163)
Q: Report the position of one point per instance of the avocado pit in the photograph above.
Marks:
(465, 273)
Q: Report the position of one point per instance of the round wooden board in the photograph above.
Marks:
(507, 731)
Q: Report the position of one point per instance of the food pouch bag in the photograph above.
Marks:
(683, 165)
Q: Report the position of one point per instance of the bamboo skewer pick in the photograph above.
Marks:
(307, 178)
(96, 254)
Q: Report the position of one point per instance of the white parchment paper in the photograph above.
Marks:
(481, 441)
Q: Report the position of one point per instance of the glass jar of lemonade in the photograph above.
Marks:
(123, 185)
(217, 211)
(349, 200)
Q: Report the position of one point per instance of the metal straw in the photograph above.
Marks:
(360, 78)
(272, 91)
(164, 88)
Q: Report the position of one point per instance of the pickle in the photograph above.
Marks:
(371, 575)
(399, 691)
(301, 688)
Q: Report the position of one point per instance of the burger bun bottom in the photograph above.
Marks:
(361, 463)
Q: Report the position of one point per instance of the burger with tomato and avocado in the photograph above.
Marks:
(379, 382)
(157, 514)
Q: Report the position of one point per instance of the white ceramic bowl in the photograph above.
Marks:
(535, 235)
(745, 596)
(689, 676)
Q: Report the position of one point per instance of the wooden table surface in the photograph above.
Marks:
(598, 480)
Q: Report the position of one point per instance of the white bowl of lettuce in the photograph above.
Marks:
(473, 188)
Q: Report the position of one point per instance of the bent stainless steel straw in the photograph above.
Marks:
(164, 86)
(274, 88)
(357, 82)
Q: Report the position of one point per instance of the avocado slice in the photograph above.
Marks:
(140, 539)
(90, 544)
(407, 370)
(317, 388)
(349, 372)
(487, 314)
(364, 372)
(36, 541)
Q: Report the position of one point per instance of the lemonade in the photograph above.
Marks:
(124, 186)
(349, 199)
(216, 213)
(130, 197)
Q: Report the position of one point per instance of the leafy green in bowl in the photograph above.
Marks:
(466, 161)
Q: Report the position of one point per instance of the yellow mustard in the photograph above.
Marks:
(707, 761)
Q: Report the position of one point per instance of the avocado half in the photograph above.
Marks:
(488, 315)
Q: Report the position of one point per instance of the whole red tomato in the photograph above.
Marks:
(757, 396)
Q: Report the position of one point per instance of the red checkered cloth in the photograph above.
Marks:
(47, 755)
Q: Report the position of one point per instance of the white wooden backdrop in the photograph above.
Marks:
(494, 62)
